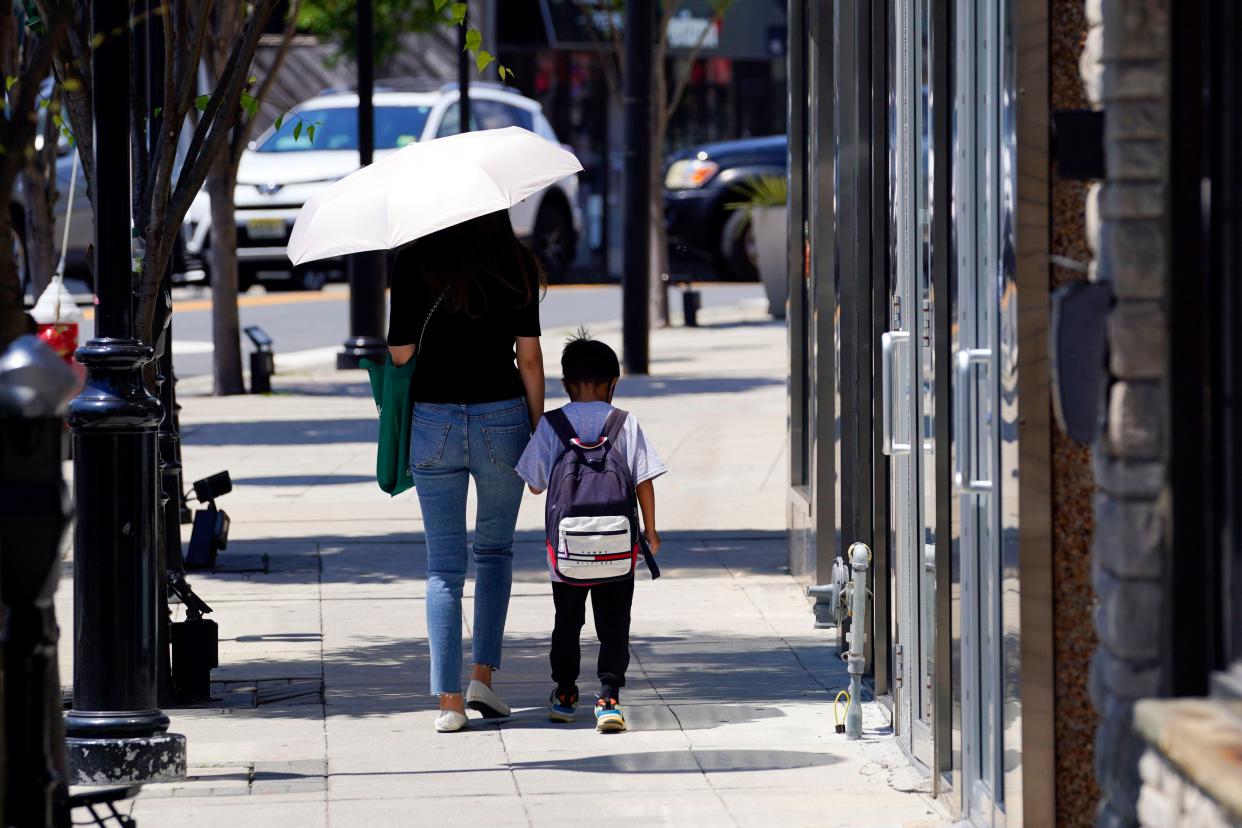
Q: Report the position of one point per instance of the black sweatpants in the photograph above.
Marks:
(610, 604)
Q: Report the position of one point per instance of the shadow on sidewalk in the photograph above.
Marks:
(685, 761)
(676, 682)
(392, 557)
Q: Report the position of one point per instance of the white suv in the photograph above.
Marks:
(279, 172)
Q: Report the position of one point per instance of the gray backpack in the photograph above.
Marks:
(592, 508)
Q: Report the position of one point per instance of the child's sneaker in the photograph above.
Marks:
(561, 705)
(608, 716)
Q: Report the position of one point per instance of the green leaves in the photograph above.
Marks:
(9, 83)
(280, 121)
(250, 104)
(297, 130)
(482, 59)
(200, 103)
(310, 133)
(458, 13)
(474, 39)
(440, 4)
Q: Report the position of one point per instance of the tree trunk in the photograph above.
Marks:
(38, 192)
(222, 260)
(12, 306)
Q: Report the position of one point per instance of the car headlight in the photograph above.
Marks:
(690, 174)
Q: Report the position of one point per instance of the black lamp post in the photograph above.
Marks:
(367, 278)
(463, 74)
(116, 731)
(635, 300)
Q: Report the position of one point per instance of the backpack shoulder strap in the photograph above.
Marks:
(561, 425)
(614, 424)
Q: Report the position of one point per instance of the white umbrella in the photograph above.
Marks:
(426, 187)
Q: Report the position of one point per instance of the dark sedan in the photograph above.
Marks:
(705, 239)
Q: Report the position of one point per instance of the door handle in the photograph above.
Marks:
(964, 473)
(888, 347)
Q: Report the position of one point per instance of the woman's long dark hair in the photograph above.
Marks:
(474, 263)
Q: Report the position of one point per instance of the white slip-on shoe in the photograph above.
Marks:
(450, 721)
(482, 698)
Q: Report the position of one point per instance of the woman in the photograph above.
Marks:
(463, 298)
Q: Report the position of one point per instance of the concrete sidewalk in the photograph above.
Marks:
(325, 717)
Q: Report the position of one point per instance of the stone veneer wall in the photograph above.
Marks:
(1126, 65)
(1170, 800)
(1073, 486)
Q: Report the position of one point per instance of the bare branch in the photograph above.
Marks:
(210, 137)
(242, 133)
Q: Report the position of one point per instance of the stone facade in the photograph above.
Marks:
(1170, 800)
(1191, 763)
(1125, 66)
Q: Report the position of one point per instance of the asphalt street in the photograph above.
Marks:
(307, 328)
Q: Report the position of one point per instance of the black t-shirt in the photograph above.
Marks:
(464, 358)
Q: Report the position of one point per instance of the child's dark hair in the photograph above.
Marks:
(587, 360)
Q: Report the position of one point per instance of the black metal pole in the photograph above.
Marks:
(117, 733)
(367, 279)
(463, 74)
(149, 40)
(636, 276)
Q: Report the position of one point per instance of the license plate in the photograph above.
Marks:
(265, 228)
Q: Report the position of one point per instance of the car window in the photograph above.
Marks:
(484, 114)
(337, 129)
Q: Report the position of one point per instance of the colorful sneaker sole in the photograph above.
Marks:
(560, 714)
(610, 722)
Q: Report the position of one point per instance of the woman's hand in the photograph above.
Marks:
(530, 366)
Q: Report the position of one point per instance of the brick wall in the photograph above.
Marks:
(1126, 69)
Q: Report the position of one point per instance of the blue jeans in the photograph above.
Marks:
(449, 444)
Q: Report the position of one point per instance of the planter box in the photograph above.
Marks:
(772, 250)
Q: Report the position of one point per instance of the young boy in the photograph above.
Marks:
(590, 372)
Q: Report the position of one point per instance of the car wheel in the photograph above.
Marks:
(246, 278)
(306, 278)
(740, 257)
(553, 240)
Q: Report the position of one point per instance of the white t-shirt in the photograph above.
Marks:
(588, 419)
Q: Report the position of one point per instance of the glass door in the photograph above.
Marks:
(980, 166)
(909, 374)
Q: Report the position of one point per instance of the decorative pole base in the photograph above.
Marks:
(126, 760)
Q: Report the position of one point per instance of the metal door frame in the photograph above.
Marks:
(901, 367)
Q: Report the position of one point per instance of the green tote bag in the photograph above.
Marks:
(391, 388)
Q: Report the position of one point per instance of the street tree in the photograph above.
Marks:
(603, 21)
(167, 178)
(27, 45)
(226, 27)
(334, 21)
(39, 194)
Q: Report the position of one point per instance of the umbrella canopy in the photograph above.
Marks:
(427, 187)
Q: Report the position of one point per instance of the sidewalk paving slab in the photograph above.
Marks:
(325, 716)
